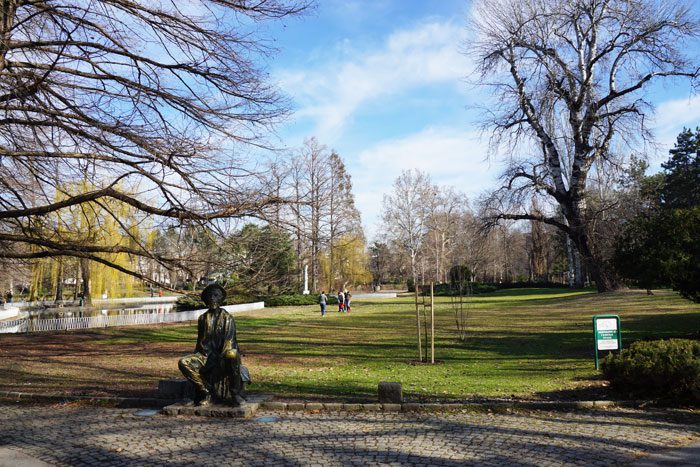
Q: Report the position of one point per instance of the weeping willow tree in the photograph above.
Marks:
(114, 226)
(349, 264)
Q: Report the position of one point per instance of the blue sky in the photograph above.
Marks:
(383, 83)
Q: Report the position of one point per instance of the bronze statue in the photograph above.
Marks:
(215, 368)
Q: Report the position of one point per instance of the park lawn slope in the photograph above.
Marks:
(525, 343)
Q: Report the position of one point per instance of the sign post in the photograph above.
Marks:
(607, 335)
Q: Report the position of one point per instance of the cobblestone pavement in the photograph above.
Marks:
(74, 435)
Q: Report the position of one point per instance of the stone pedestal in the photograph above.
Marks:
(390, 393)
(176, 389)
(246, 410)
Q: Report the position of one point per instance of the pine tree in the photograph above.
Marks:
(682, 188)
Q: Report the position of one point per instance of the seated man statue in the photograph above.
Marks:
(215, 366)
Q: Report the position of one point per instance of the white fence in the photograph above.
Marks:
(68, 324)
(14, 326)
(375, 295)
(7, 312)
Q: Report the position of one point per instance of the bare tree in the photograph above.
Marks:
(317, 186)
(406, 212)
(445, 224)
(570, 77)
(144, 101)
(322, 211)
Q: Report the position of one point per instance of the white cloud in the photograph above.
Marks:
(671, 117)
(451, 156)
(333, 92)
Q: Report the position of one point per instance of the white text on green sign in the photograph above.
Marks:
(607, 334)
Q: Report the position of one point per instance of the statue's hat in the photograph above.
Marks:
(212, 289)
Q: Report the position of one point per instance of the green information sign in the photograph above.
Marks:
(607, 335)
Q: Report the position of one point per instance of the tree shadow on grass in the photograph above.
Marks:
(593, 390)
(533, 345)
(660, 326)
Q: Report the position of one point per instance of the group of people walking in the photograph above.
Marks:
(343, 302)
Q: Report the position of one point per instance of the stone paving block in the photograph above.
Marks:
(352, 407)
(411, 407)
(11, 457)
(245, 410)
(258, 398)
(295, 406)
(503, 407)
(468, 407)
(116, 437)
(391, 407)
(431, 407)
(274, 405)
(390, 392)
(171, 410)
(176, 389)
(314, 406)
(333, 406)
(172, 387)
(371, 407)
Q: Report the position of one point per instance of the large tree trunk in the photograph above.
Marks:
(574, 265)
(85, 272)
(605, 279)
(59, 281)
(575, 213)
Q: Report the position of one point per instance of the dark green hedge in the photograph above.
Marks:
(193, 302)
(445, 290)
(296, 300)
(667, 369)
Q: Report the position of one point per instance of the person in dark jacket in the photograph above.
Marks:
(322, 300)
(348, 296)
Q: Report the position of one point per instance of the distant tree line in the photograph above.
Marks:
(430, 230)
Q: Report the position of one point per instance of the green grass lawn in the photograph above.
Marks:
(524, 343)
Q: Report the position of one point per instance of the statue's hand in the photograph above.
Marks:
(231, 354)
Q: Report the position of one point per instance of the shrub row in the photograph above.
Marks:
(296, 300)
(446, 290)
(529, 285)
(663, 368)
(193, 302)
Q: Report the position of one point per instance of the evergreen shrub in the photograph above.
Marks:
(296, 300)
(668, 369)
(193, 302)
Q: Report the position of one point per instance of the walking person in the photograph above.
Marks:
(322, 299)
(348, 296)
(341, 301)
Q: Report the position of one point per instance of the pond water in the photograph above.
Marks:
(91, 312)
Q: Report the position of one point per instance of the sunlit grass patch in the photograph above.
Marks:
(521, 342)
